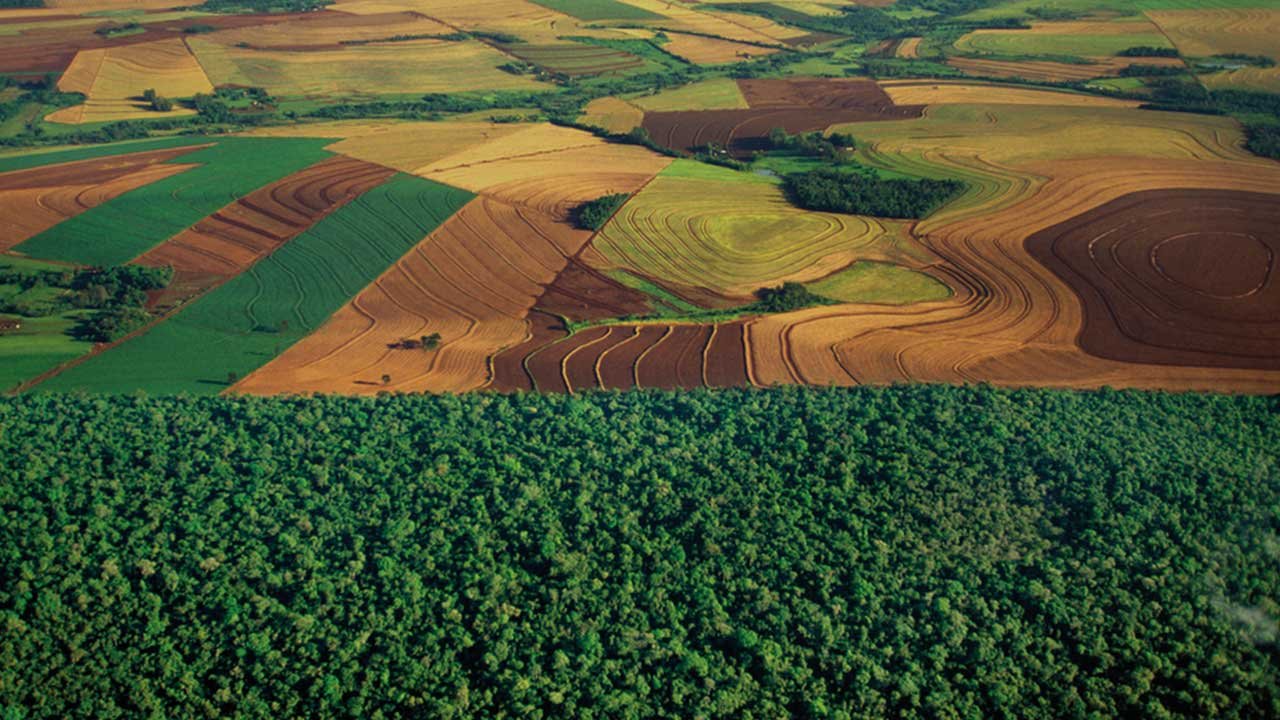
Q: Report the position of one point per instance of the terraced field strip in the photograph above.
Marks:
(651, 355)
(131, 224)
(1072, 38)
(958, 92)
(36, 199)
(234, 238)
(599, 9)
(473, 281)
(330, 30)
(242, 324)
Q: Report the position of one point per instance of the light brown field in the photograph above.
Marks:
(909, 48)
(1054, 71)
(87, 6)
(1248, 78)
(331, 29)
(734, 26)
(712, 51)
(612, 114)
(35, 200)
(1200, 33)
(473, 281)
(115, 78)
(942, 92)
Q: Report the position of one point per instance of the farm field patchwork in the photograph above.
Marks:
(242, 324)
(229, 169)
(114, 80)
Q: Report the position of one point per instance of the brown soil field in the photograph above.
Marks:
(712, 51)
(1179, 277)
(34, 200)
(473, 281)
(794, 105)
(232, 239)
(581, 292)
(53, 49)
(1013, 321)
(1054, 71)
(625, 356)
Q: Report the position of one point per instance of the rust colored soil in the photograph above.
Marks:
(509, 374)
(726, 361)
(227, 242)
(618, 363)
(34, 200)
(545, 366)
(1177, 277)
(583, 293)
(676, 361)
(52, 49)
(794, 105)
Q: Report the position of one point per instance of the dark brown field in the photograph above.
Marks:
(793, 105)
(1177, 277)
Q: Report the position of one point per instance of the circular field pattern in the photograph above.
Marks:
(1184, 277)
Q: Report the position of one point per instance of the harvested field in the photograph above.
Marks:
(612, 114)
(1256, 79)
(1200, 33)
(732, 236)
(794, 105)
(238, 326)
(34, 200)
(329, 30)
(714, 94)
(1045, 71)
(1180, 277)
(114, 80)
(575, 59)
(1077, 39)
(550, 170)
(941, 92)
(234, 238)
(732, 26)
(417, 66)
(712, 51)
(909, 48)
(473, 281)
(643, 355)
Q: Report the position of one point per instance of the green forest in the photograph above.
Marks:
(922, 551)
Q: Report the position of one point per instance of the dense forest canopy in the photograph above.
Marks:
(903, 552)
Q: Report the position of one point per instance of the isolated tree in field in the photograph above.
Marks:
(430, 342)
(386, 379)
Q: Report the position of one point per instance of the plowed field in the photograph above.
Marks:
(1185, 277)
(794, 105)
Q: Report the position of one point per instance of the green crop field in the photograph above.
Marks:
(42, 342)
(880, 283)
(244, 323)
(598, 9)
(120, 230)
(1032, 43)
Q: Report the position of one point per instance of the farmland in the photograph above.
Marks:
(154, 212)
(820, 359)
(243, 323)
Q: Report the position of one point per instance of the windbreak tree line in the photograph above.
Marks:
(903, 552)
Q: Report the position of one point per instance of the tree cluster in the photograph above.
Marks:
(800, 553)
(1148, 51)
(593, 214)
(831, 190)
